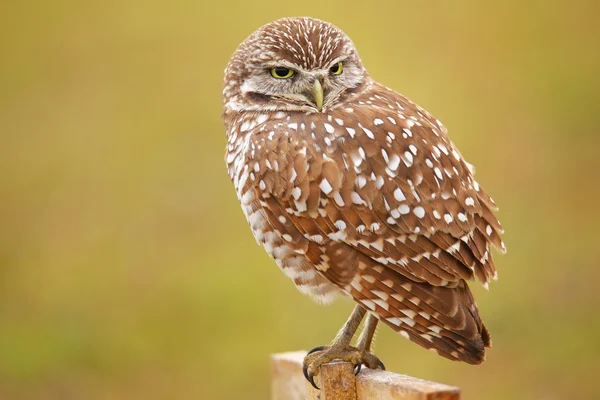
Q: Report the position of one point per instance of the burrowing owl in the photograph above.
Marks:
(352, 188)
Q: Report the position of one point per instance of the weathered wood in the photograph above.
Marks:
(287, 380)
(337, 382)
(385, 385)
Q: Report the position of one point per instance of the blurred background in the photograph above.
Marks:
(127, 269)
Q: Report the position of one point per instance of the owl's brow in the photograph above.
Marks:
(294, 66)
(336, 60)
(282, 63)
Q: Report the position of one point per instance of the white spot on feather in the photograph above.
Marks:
(403, 209)
(369, 304)
(419, 211)
(382, 304)
(394, 162)
(408, 159)
(325, 186)
(367, 132)
(338, 199)
(341, 225)
(399, 195)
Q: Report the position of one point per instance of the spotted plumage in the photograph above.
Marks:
(363, 194)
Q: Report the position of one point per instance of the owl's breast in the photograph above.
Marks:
(268, 165)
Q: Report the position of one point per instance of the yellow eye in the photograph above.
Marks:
(337, 69)
(281, 72)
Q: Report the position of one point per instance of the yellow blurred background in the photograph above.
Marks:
(127, 270)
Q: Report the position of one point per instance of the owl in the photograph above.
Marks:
(355, 190)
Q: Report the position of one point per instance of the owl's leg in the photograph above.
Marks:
(340, 347)
(364, 344)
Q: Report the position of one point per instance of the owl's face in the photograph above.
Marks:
(293, 64)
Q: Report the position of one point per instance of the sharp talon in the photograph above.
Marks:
(310, 376)
(318, 348)
(357, 367)
(311, 379)
(380, 364)
(305, 372)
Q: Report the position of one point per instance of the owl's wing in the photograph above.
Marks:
(385, 207)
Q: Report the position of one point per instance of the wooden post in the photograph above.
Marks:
(337, 382)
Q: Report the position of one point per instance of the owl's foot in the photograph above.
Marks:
(324, 354)
(340, 348)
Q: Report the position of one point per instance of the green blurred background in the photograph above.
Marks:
(127, 270)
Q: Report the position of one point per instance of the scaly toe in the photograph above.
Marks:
(371, 361)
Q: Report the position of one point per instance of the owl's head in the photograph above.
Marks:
(293, 64)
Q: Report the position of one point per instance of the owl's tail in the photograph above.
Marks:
(443, 319)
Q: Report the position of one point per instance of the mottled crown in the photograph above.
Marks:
(309, 43)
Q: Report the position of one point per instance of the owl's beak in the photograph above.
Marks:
(317, 93)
